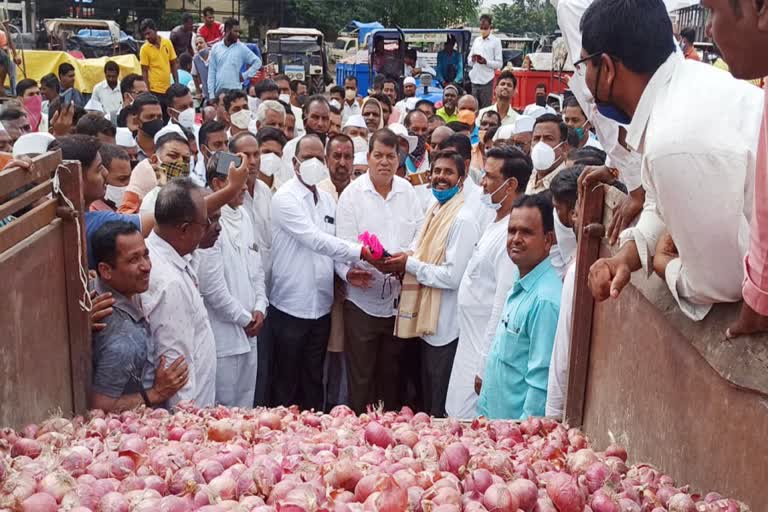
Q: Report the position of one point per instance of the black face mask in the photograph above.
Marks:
(541, 100)
(152, 127)
(134, 163)
(301, 100)
(421, 147)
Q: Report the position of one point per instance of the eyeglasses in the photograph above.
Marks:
(579, 64)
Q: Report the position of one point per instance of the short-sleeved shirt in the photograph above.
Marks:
(94, 220)
(158, 60)
(120, 349)
(181, 40)
(211, 34)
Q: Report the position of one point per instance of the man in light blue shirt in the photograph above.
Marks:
(514, 385)
(227, 57)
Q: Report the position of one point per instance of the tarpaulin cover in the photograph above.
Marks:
(363, 29)
(88, 72)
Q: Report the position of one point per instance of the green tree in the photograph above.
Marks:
(525, 16)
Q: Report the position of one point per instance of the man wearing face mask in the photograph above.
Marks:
(124, 139)
(433, 270)
(487, 277)
(418, 126)
(237, 114)
(713, 165)
(115, 159)
(548, 152)
(350, 106)
(29, 93)
(575, 119)
(271, 144)
(317, 121)
(485, 58)
(149, 114)
(211, 137)
(171, 160)
(304, 249)
(181, 108)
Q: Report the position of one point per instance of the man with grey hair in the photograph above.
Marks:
(177, 316)
(270, 113)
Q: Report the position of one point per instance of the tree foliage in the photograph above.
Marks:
(525, 16)
(330, 16)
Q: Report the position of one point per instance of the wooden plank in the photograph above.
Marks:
(25, 199)
(590, 216)
(43, 167)
(36, 219)
(70, 178)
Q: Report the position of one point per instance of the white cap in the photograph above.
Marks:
(409, 80)
(169, 128)
(32, 144)
(505, 131)
(94, 106)
(355, 120)
(524, 124)
(361, 158)
(536, 111)
(402, 132)
(124, 138)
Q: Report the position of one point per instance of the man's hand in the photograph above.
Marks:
(359, 278)
(168, 380)
(665, 253)
(23, 162)
(627, 212)
(61, 123)
(478, 384)
(395, 264)
(592, 176)
(238, 175)
(257, 322)
(101, 309)
(607, 277)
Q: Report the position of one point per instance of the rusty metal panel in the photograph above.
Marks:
(650, 388)
(34, 352)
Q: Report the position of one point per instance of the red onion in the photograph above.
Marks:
(499, 498)
(596, 475)
(270, 420)
(27, 447)
(603, 502)
(40, 502)
(681, 502)
(377, 435)
(478, 480)
(57, 484)
(113, 502)
(616, 450)
(627, 505)
(75, 460)
(526, 493)
(564, 492)
(579, 462)
(454, 458)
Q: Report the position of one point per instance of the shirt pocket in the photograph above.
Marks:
(513, 345)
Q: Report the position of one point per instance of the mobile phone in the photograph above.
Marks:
(225, 158)
(66, 97)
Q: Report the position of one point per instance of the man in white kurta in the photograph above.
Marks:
(506, 173)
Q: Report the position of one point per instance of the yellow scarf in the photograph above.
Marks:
(420, 305)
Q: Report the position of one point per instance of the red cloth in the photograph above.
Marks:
(213, 33)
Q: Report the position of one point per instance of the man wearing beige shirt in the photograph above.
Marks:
(548, 151)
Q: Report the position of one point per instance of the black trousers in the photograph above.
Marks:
(411, 393)
(266, 363)
(299, 353)
(373, 354)
(436, 365)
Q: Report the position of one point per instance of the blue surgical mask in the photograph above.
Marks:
(443, 196)
(580, 132)
(613, 112)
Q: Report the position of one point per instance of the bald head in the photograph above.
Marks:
(468, 102)
(439, 135)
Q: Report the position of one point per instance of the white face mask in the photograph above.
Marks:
(115, 194)
(285, 98)
(270, 164)
(312, 171)
(543, 156)
(360, 145)
(241, 119)
(487, 199)
(186, 118)
(335, 103)
(350, 94)
(253, 103)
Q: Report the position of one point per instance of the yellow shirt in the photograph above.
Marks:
(158, 60)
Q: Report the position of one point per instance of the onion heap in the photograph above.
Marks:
(287, 460)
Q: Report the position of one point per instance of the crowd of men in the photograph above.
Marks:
(273, 248)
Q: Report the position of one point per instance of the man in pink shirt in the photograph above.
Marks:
(740, 29)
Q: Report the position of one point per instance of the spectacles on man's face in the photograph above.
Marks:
(580, 65)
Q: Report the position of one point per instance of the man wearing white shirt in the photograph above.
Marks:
(232, 285)
(485, 57)
(304, 249)
(317, 121)
(107, 92)
(550, 147)
(433, 272)
(211, 137)
(684, 172)
(505, 92)
(177, 316)
(506, 173)
(408, 102)
(350, 105)
(386, 205)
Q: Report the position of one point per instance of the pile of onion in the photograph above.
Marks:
(285, 460)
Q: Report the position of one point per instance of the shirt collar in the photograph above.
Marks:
(396, 185)
(167, 250)
(130, 306)
(528, 282)
(658, 82)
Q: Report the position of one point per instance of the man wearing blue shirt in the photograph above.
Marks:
(227, 57)
(514, 385)
(450, 64)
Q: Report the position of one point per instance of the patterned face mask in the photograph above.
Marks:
(170, 170)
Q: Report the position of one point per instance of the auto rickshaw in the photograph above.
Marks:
(300, 54)
(92, 38)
